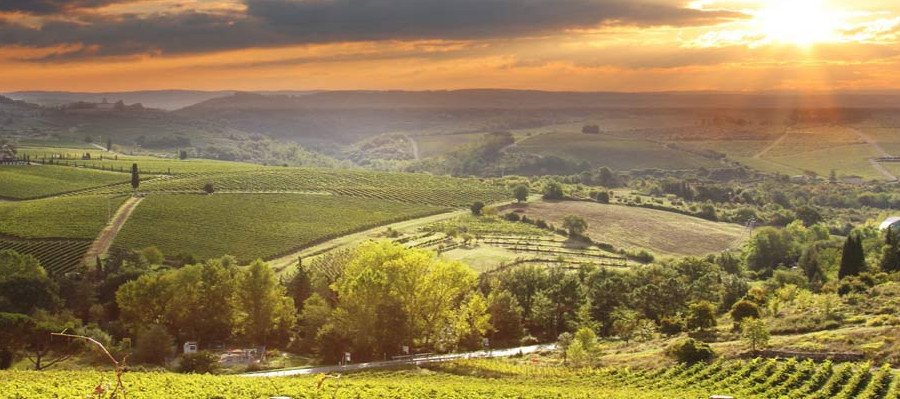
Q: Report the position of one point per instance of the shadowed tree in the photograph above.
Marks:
(135, 178)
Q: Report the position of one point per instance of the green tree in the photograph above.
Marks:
(209, 188)
(553, 191)
(154, 345)
(182, 154)
(808, 215)
(690, 351)
(701, 315)
(24, 285)
(152, 256)
(853, 259)
(135, 178)
(562, 344)
(755, 333)
(316, 313)
(584, 349)
(744, 309)
(476, 208)
(768, 248)
(520, 193)
(266, 314)
(108, 144)
(890, 252)
(506, 318)
(575, 225)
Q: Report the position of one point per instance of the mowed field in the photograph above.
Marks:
(32, 181)
(613, 152)
(664, 233)
(251, 226)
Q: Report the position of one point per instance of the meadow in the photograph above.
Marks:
(664, 233)
(251, 226)
(756, 378)
(33, 181)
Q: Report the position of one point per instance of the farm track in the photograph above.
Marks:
(881, 153)
(108, 235)
(771, 146)
(414, 145)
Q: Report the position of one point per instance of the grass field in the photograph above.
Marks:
(664, 233)
(616, 153)
(31, 181)
(845, 160)
(78, 217)
(440, 144)
(251, 226)
(756, 378)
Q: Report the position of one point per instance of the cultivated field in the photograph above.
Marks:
(56, 256)
(757, 378)
(77, 217)
(613, 152)
(251, 226)
(32, 181)
(664, 233)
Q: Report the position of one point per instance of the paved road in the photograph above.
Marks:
(391, 363)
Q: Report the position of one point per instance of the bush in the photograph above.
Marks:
(154, 345)
(209, 188)
(743, 309)
(203, 362)
(476, 208)
(671, 325)
(690, 351)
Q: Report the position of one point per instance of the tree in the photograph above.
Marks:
(562, 344)
(575, 225)
(109, 144)
(476, 208)
(24, 285)
(506, 317)
(584, 349)
(808, 215)
(182, 154)
(602, 197)
(135, 178)
(152, 256)
(520, 192)
(154, 345)
(209, 188)
(690, 351)
(755, 333)
(744, 309)
(590, 129)
(853, 259)
(890, 252)
(768, 248)
(266, 313)
(553, 191)
(701, 315)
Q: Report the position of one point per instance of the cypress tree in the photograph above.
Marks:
(135, 179)
(890, 256)
(852, 259)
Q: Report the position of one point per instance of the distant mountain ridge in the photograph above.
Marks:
(161, 99)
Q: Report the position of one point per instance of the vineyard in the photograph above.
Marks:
(76, 217)
(29, 181)
(756, 378)
(56, 256)
(402, 187)
(251, 226)
(103, 160)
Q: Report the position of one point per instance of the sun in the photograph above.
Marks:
(798, 22)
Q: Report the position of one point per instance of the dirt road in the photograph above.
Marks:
(106, 237)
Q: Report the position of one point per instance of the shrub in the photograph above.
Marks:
(203, 362)
(690, 351)
(743, 309)
(512, 217)
(209, 188)
(476, 208)
(154, 346)
(671, 325)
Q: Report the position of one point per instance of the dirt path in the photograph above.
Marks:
(106, 237)
(881, 153)
(771, 146)
(415, 146)
(104, 149)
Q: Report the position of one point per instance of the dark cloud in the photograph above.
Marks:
(270, 23)
(46, 7)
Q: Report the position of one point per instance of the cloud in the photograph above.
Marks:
(272, 23)
(46, 7)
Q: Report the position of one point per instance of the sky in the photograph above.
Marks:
(562, 45)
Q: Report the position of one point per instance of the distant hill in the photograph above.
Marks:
(161, 99)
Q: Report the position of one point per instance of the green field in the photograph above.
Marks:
(402, 187)
(122, 162)
(77, 217)
(664, 233)
(757, 378)
(613, 152)
(251, 226)
(440, 144)
(56, 256)
(31, 181)
(844, 160)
